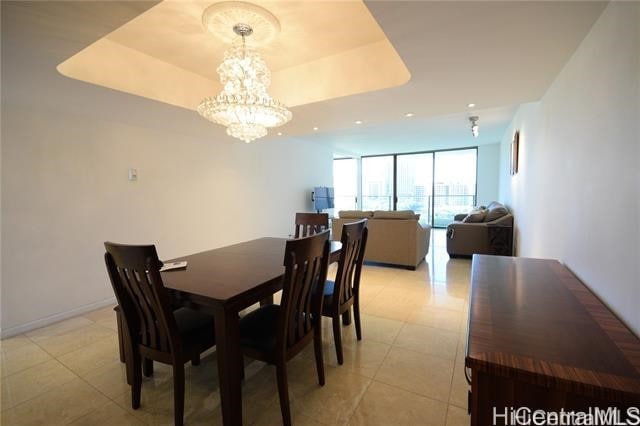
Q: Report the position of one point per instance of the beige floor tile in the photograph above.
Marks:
(57, 406)
(445, 301)
(428, 340)
(29, 383)
(83, 360)
(102, 314)
(395, 303)
(70, 340)
(58, 328)
(457, 417)
(273, 416)
(156, 405)
(368, 292)
(110, 323)
(444, 319)
(360, 357)
(17, 357)
(459, 388)
(110, 379)
(387, 405)
(423, 374)
(332, 403)
(374, 328)
(108, 415)
(14, 343)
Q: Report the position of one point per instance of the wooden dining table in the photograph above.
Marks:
(223, 282)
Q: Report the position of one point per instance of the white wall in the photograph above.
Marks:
(488, 173)
(65, 191)
(66, 148)
(576, 197)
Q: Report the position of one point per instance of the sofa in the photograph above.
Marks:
(484, 230)
(395, 237)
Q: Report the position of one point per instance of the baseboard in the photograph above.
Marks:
(32, 325)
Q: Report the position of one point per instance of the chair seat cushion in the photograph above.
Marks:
(328, 287)
(258, 329)
(196, 328)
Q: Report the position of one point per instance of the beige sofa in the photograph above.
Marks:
(395, 237)
(487, 231)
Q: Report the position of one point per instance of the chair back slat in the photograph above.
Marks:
(308, 224)
(347, 283)
(135, 277)
(306, 261)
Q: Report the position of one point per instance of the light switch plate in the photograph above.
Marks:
(133, 175)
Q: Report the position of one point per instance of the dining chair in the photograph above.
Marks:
(276, 333)
(311, 223)
(152, 330)
(344, 292)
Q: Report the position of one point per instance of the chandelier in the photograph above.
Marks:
(244, 107)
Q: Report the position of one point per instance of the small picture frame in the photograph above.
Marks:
(515, 146)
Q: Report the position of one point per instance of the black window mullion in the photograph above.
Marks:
(395, 182)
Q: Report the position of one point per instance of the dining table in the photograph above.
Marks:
(223, 282)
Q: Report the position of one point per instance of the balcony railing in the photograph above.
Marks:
(444, 206)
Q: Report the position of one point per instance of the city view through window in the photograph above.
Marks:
(437, 185)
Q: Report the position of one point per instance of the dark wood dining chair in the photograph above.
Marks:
(344, 292)
(276, 333)
(152, 330)
(308, 224)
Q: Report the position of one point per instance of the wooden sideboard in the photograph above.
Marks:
(539, 338)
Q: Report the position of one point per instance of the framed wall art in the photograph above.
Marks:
(515, 146)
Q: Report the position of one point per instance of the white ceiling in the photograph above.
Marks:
(496, 54)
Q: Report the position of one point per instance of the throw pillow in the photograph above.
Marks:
(475, 216)
(496, 212)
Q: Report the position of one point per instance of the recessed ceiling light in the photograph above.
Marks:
(409, 114)
(279, 133)
(471, 105)
(358, 121)
(315, 128)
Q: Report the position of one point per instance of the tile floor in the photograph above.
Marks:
(407, 370)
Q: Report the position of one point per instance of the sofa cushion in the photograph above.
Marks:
(400, 214)
(496, 212)
(475, 216)
(355, 214)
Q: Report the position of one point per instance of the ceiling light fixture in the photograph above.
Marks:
(244, 107)
(409, 114)
(472, 105)
(474, 126)
(358, 121)
(315, 128)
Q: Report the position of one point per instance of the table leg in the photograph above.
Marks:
(228, 351)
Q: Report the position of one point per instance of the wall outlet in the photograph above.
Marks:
(133, 175)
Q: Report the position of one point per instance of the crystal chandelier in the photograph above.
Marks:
(244, 107)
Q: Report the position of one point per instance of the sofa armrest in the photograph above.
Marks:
(467, 238)
(423, 237)
(506, 220)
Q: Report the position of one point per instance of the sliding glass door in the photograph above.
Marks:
(454, 187)
(345, 184)
(414, 183)
(377, 183)
(436, 184)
